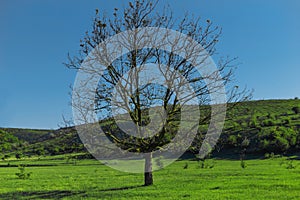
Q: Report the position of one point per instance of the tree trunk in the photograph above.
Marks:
(148, 169)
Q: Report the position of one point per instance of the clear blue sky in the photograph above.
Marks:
(36, 36)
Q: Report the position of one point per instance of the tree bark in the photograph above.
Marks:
(148, 169)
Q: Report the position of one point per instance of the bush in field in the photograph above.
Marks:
(22, 174)
(206, 164)
(243, 148)
(288, 163)
(71, 159)
(243, 164)
(186, 165)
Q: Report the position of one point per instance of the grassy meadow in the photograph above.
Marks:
(265, 133)
(59, 178)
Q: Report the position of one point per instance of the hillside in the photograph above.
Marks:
(265, 126)
(29, 135)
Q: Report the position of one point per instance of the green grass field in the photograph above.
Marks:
(89, 179)
(272, 127)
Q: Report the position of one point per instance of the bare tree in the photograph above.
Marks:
(127, 103)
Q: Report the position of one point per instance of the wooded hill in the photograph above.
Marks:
(259, 127)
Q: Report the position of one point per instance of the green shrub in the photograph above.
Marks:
(206, 164)
(288, 163)
(186, 166)
(243, 164)
(22, 174)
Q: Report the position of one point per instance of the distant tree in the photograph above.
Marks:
(141, 14)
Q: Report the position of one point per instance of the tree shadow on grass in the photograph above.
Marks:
(54, 194)
(122, 188)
